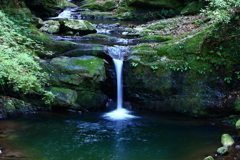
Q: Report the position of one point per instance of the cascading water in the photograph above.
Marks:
(117, 53)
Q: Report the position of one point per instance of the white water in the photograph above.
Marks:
(65, 14)
(120, 113)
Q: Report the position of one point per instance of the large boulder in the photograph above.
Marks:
(75, 25)
(77, 81)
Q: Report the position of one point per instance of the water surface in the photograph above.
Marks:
(52, 136)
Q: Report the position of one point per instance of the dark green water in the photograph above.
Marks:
(52, 136)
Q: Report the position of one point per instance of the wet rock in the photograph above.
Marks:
(237, 146)
(64, 97)
(222, 150)
(12, 106)
(77, 80)
(227, 140)
(74, 25)
(50, 26)
(209, 158)
(38, 22)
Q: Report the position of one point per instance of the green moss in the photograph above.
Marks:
(237, 105)
(100, 5)
(156, 38)
(63, 90)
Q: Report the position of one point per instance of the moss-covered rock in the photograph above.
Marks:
(50, 26)
(12, 106)
(64, 98)
(222, 150)
(79, 73)
(100, 5)
(209, 158)
(227, 140)
(170, 77)
(91, 100)
(80, 26)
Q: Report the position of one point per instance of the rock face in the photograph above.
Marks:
(74, 25)
(78, 79)
(166, 77)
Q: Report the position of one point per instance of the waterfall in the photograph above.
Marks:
(65, 14)
(117, 53)
(118, 66)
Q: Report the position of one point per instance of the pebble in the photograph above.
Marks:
(237, 146)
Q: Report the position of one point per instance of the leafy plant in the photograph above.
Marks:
(154, 68)
(221, 10)
(134, 64)
(19, 66)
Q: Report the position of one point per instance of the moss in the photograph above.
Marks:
(237, 105)
(101, 5)
(156, 38)
(97, 36)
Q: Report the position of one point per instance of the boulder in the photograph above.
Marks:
(227, 140)
(12, 106)
(75, 25)
(50, 26)
(64, 98)
(222, 150)
(209, 158)
(77, 80)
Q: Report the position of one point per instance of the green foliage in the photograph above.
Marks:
(134, 64)
(154, 68)
(19, 67)
(221, 10)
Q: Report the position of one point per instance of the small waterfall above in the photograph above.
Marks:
(65, 14)
(117, 53)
